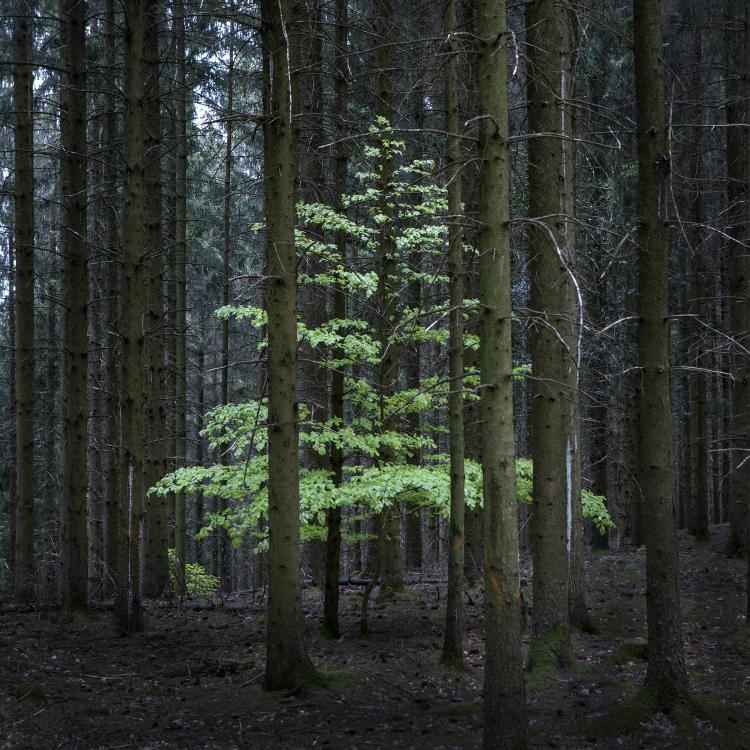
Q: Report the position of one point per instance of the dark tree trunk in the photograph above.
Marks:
(287, 662)
(504, 682)
(666, 664)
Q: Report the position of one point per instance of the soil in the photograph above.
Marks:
(193, 678)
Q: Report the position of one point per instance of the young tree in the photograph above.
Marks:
(287, 662)
(504, 684)
(75, 444)
(23, 104)
(666, 674)
(389, 542)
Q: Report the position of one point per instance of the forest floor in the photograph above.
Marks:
(193, 678)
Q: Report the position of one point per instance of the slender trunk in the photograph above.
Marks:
(111, 457)
(95, 438)
(310, 139)
(180, 313)
(128, 594)
(699, 413)
(412, 358)
(50, 459)
(331, 625)
(389, 525)
(453, 643)
(666, 664)
(222, 539)
(738, 173)
(155, 576)
(75, 443)
(199, 453)
(287, 662)
(23, 102)
(504, 685)
(11, 514)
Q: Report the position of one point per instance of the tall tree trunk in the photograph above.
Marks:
(310, 138)
(23, 102)
(111, 454)
(50, 459)
(504, 685)
(666, 664)
(331, 626)
(200, 554)
(75, 443)
(287, 662)
(180, 313)
(389, 525)
(128, 594)
(554, 344)
(453, 643)
(12, 493)
(222, 538)
(412, 358)
(155, 576)
(699, 276)
(738, 173)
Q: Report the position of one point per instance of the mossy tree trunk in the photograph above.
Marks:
(666, 665)
(287, 662)
(504, 686)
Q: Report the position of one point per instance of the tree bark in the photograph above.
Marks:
(331, 626)
(554, 339)
(111, 455)
(51, 461)
(128, 613)
(180, 313)
(287, 662)
(223, 558)
(453, 648)
(738, 173)
(155, 575)
(666, 664)
(23, 103)
(389, 521)
(504, 685)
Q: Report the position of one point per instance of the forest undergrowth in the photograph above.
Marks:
(193, 679)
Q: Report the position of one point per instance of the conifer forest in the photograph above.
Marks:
(374, 374)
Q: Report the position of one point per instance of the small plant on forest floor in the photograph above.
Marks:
(198, 583)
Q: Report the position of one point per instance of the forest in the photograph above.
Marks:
(375, 374)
